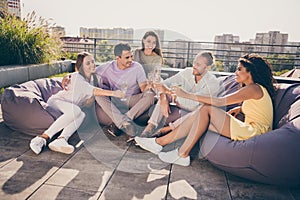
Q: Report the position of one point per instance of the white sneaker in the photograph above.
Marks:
(37, 144)
(148, 144)
(173, 158)
(61, 145)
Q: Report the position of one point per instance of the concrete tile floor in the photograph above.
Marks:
(103, 167)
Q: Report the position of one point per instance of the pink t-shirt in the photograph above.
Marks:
(112, 77)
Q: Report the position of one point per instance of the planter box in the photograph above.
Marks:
(14, 74)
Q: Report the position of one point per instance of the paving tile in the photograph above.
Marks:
(107, 167)
(137, 160)
(22, 176)
(107, 151)
(199, 181)
(82, 172)
(7, 154)
(243, 189)
(16, 143)
(127, 186)
(52, 192)
(12, 145)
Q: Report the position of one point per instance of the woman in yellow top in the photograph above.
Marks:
(255, 75)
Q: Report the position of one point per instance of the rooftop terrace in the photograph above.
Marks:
(103, 167)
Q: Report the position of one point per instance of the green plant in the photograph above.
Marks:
(59, 75)
(281, 62)
(27, 41)
(279, 73)
(105, 52)
(2, 90)
(69, 55)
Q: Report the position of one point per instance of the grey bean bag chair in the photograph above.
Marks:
(24, 106)
(273, 157)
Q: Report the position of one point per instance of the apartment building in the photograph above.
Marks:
(266, 43)
(76, 44)
(58, 30)
(3, 5)
(113, 35)
(228, 50)
(13, 7)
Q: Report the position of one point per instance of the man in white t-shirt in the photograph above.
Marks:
(196, 79)
(114, 75)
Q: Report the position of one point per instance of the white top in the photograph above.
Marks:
(207, 86)
(79, 90)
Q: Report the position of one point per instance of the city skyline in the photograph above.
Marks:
(195, 20)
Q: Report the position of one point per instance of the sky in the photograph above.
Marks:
(198, 20)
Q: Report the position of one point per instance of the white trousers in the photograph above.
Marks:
(69, 121)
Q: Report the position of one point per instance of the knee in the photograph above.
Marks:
(82, 114)
(149, 97)
(77, 111)
(101, 99)
(205, 109)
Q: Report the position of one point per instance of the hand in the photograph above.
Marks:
(234, 111)
(180, 92)
(149, 86)
(160, 87)
(66, 81)
(119, 94)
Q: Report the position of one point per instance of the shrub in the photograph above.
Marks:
(27, 41)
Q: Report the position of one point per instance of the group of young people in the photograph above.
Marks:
(196, 109)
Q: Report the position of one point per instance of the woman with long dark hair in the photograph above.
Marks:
(256, 95)
(150, 55)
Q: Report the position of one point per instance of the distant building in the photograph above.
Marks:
(3, 5)
(297, 58)
(58, 30)
(76, 44)
(266, 43)
(177, 53)
(113, 35)
(161, 34)
(13, 7)
(228, 50)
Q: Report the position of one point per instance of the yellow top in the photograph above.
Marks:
(258, 118)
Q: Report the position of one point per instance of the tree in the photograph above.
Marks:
(104, 51)
(281, 62)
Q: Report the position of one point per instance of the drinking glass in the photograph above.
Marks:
(173, 103)
(178, 84)
(156, 81)
(150, 80)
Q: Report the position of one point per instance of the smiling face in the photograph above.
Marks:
(242, 75)
(88, 65)
(149, 43)
(125, 60)
(199, 66)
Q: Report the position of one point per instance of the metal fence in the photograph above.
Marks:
(180, 53)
